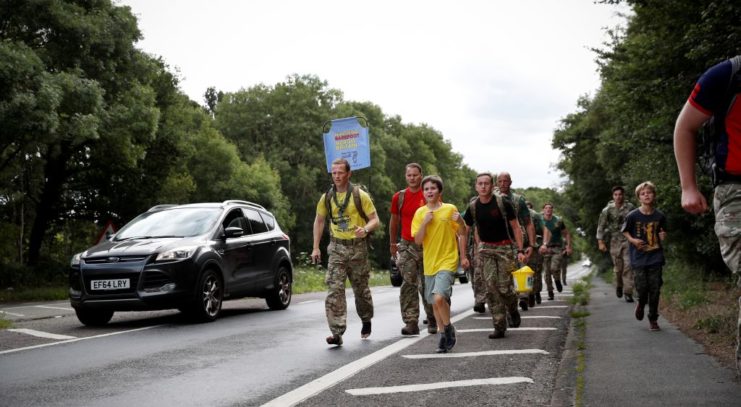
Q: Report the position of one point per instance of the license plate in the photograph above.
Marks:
(118, 284)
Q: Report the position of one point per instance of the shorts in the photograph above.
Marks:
(441, 283)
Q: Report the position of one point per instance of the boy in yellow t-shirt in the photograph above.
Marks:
(438, 227)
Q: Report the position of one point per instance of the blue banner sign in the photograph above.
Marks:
(347, 139)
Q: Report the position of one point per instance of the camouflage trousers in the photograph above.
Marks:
(564, 266)
(411, 267)
(727, 206)
(620, 254)
(478, 282)
(648, 285)
(536, 264)
(347, 262)
(497, 264)
(552, 266)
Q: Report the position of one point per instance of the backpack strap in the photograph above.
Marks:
(400, 201)
(358, 203)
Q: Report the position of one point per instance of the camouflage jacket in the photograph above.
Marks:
(611, 221)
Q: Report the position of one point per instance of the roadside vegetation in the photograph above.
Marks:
(579, 312)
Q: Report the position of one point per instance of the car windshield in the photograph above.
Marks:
(178, 222)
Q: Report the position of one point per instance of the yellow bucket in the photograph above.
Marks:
(523, 278)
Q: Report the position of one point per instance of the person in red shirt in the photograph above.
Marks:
(407, 254)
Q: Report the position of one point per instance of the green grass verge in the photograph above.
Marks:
(579, 313)
(34, 294)
(310, 279)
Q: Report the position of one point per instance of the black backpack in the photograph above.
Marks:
(710, 133)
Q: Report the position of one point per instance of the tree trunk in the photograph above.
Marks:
(55, 173)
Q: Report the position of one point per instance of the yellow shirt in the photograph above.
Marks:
(351, 217)
(440, 245)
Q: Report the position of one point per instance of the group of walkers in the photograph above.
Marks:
(507, 232)
(429, 241)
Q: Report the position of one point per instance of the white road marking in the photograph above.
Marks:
(13, 314)
(525, 317)
(508, 329)
(41, 334)
(77, 339)
(59, 308)
(308, 302)
(551, 306)
(316, 386)
(475, 354)
(440, 385)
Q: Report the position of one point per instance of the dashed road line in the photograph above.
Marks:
(525, 317)
(43, 345)
(476, 354)
(59, 308)
(316, 386)
(13, 314)
(308, 302)
(551, 306)
(368, 391)
(41, 334)
(508, 329)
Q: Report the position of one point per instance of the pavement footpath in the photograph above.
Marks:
(628, 365)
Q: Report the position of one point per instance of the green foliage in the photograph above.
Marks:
(623, 134)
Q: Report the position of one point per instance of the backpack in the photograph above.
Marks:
(355, 191)
(712, 130)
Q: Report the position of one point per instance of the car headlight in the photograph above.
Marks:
(179, 253)
(75, 260)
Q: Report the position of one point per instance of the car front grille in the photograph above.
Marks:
(115, 259)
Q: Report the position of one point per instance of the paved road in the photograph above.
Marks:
(253, 356)
(627, 365)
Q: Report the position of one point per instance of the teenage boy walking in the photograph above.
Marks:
(439, 228)
(645, 229)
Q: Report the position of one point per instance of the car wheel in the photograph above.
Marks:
(206, 307)
(93, 317)
(280, 297)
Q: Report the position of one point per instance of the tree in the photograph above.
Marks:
(94, 100)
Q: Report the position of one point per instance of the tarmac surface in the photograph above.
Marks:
(628, 365)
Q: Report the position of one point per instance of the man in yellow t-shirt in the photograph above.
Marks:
(347, 250)
(438, 227)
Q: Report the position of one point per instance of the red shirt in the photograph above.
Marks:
(412, 202)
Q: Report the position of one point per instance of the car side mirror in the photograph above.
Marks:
(233, 231)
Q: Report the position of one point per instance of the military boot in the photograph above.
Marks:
(410, 329)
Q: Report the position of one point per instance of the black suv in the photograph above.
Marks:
(189, 257)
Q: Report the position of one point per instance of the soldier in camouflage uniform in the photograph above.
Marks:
(716, 94)
(495, 222)
(554, 234)
(347, 250)
(522, 212)
(408, 255)
(610, 221)
(536, 259)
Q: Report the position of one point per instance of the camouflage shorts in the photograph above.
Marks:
(727, 206)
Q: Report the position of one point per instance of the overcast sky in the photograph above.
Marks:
(494, 77)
